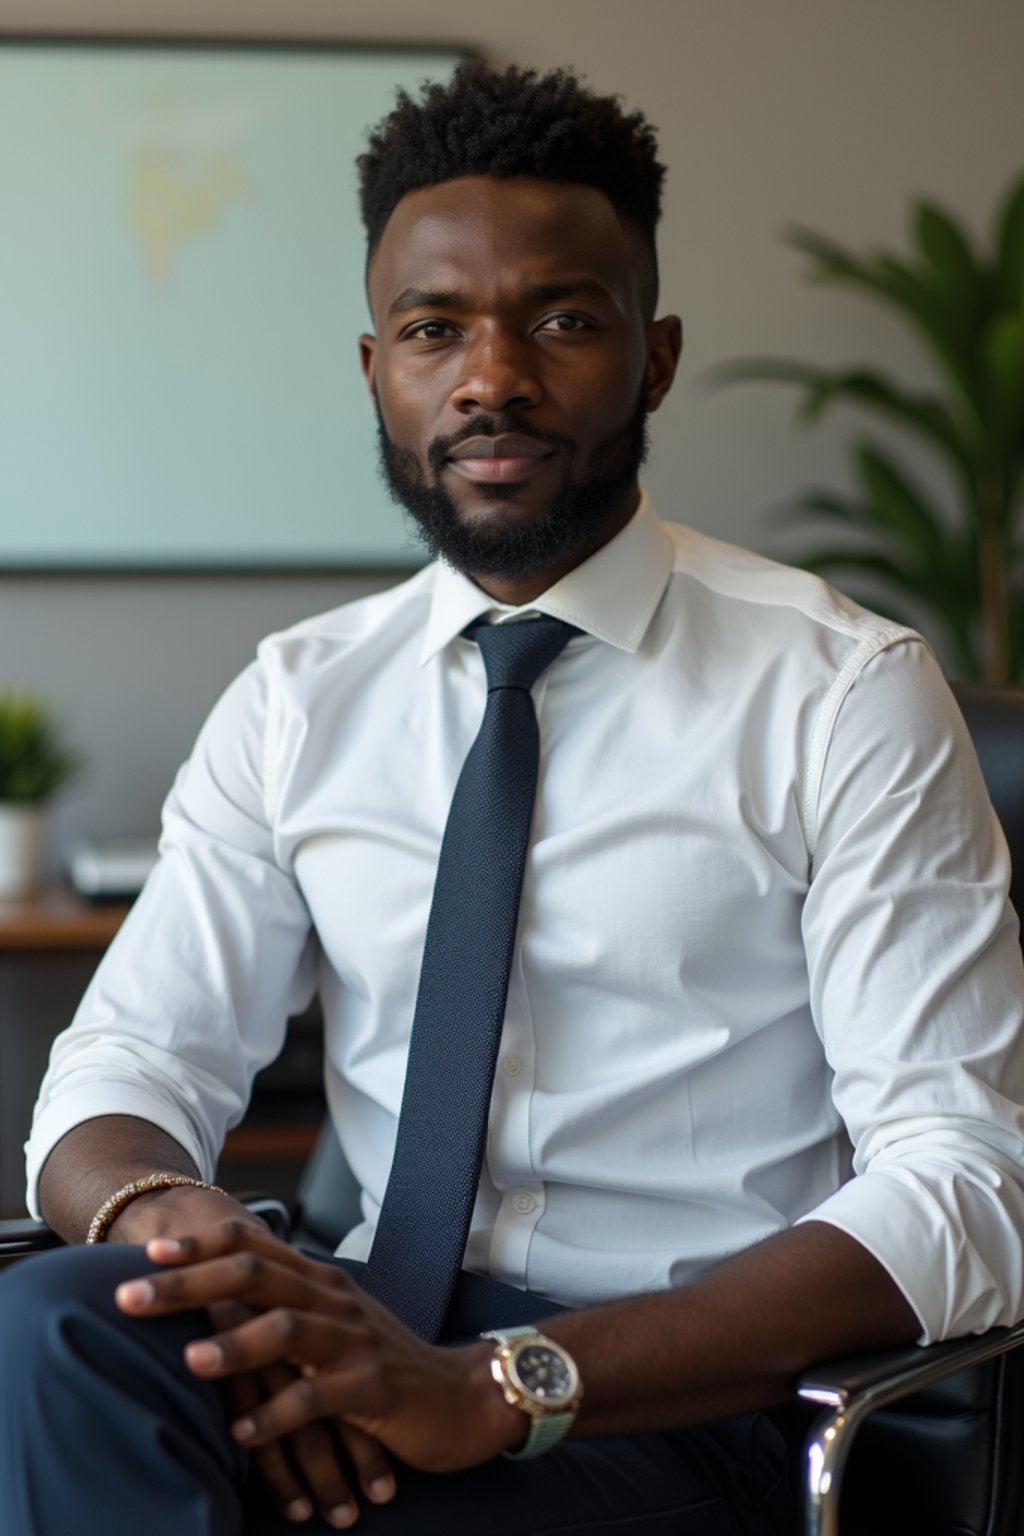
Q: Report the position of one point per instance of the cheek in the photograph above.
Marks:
(410, 408)
(603, 401)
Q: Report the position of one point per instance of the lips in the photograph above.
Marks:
(509, 456)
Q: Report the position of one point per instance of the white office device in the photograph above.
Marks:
(105, 868)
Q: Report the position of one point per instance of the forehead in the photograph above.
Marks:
(485, 232)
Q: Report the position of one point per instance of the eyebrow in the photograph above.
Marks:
(426, 298)
(536, 293)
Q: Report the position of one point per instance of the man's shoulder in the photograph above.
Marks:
(740, 577)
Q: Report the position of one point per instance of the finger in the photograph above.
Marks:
(371, 1462)
(222, 1237)
(304, 1400)
(288, 1334)
(315, 1453)
(276, 1471)
(253, 1278)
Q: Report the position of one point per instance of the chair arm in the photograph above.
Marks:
(270, 1209)
(854, 1388)
(21, 1236)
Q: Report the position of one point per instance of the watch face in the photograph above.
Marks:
(545, 1373)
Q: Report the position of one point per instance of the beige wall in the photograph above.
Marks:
(831, 112)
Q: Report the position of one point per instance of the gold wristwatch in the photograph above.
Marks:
(540, 1378)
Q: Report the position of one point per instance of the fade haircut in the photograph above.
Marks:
(516, 122)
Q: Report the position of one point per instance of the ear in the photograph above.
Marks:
(664, 348)
(368, 362)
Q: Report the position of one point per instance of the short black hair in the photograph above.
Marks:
(515, 122)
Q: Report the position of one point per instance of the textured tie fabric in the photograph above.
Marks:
(460, 1006)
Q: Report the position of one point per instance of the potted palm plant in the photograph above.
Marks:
(960, 553)
(35, 762)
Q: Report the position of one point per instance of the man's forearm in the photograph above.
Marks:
(100, 1157)
(735, 1340)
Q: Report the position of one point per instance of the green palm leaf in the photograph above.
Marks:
(961, 558)
(902, 288)
(901, 508)
(925, 414)
(1003, 354)
(1010, 249)
(954, 276)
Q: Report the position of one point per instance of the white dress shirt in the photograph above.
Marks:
(764, 918)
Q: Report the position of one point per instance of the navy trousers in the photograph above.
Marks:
(104, 1432)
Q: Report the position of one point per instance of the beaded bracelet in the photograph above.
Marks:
(111, 1209)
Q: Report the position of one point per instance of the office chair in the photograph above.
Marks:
(938, 1431)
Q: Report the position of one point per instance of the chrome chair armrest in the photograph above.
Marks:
(854, 1388)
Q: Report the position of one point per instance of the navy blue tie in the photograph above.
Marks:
(460, 1007)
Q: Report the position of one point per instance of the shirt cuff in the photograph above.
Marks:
(902, 1224)
(90, 1101)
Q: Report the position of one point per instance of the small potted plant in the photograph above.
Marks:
(35, 761)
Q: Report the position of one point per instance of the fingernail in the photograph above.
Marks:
(164, 1248)
(381, 1488)
(244, 1430)
(135, 1293)
(206, 1355)
(299, 1509)
(342, 1514)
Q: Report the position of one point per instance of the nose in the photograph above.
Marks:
(498, 375)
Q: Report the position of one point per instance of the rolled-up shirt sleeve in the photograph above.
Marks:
(917, 990)
(194, 994)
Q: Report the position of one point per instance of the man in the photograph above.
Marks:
(763, 916)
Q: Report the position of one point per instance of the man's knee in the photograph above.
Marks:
(57, 1310)
(92, 1399)
(76, 1280)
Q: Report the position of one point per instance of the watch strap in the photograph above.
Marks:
(546, 1429)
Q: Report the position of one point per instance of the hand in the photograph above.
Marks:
(178, 1208)
(437, 1409)
(302, 1472)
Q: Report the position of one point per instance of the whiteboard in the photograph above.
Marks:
(181, 292)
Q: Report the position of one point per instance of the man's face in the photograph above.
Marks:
(513, 372)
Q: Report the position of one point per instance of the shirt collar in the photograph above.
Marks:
(611, 596)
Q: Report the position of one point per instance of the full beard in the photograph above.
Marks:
(509, 547)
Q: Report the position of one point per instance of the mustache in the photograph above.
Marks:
(494, 426)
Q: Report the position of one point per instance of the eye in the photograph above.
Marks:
(429, 330)
(565, 324)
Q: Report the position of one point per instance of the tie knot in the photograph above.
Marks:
(516, 654)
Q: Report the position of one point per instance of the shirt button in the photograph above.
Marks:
(513, 1065)
(523, 1203)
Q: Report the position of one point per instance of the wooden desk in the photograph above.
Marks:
(57, 920)
(49, 947)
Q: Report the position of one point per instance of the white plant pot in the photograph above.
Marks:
(22, 832)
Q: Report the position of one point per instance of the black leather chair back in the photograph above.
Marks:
(995, 719)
